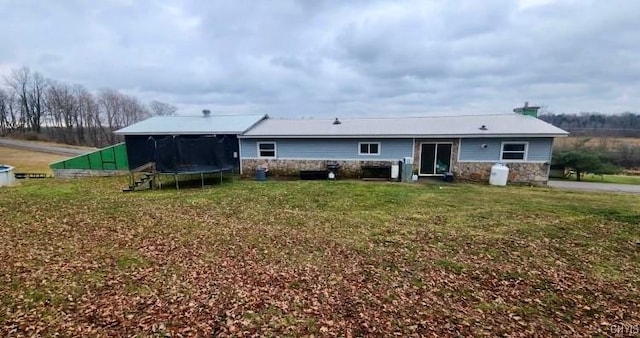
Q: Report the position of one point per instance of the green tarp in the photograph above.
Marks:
(109, 158)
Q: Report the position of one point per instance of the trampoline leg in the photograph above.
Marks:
(221, 177)
(175, 178)
(202, 179)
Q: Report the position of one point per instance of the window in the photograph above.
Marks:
(267, 149)
(369, 148)
(514, 151)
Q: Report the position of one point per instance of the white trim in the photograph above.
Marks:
(360, 153)
(525, 154)
(435, 157)
(413, 153)
(275, 149)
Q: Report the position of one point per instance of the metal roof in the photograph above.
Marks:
(506, 125)
(192, 125)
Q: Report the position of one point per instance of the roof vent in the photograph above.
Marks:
(483, 127)
(206, 112)
(337, 121)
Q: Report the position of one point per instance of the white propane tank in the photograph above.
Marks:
(499, 174)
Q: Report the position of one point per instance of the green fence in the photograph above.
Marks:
(109, 158)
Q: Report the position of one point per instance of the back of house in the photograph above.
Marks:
(464, 146)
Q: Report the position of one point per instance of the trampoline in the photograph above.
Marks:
(184, 155)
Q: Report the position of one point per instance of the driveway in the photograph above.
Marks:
(41, 147)
(590, 186)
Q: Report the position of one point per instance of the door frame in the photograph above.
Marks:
(435, 157)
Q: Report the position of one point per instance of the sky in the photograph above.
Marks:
(314, 58)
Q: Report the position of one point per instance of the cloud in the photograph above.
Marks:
(302, 58)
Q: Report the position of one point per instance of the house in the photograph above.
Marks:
(466, 146)
(187, 144)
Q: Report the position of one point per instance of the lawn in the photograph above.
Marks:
(620, 179)
(28, 161)
(297, 258)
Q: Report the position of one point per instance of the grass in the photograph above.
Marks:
(316, 258)
(619, 179)
(596, 141)
(27, 160)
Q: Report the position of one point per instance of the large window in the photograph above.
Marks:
(267, 149)
(514, 151)
(369, 148)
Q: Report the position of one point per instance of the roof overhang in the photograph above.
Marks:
(179, 133)
(193, 125)
(404, 136)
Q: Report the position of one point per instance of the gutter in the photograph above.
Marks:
(402, 136)
(208, 132)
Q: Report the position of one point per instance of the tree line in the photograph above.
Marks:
(609, 153)
(596, 124)
(34, 107)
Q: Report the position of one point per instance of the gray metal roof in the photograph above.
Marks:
(193, 125)
(509, 125)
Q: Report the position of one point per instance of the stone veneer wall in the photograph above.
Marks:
(533, 173)
(348, 169)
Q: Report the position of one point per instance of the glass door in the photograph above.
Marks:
(427, 159)
(435, 158)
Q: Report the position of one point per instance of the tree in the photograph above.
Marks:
(162, 109)
(63, 109)
(118, 110)
(583, 160)
(5, 102)
(29, 89)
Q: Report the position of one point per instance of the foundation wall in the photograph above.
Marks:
(277, 168)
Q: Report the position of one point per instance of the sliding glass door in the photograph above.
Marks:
(435, 158)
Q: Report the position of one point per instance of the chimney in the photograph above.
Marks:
(527, 110)
(206, 112)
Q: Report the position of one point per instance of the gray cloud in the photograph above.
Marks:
(318, 58)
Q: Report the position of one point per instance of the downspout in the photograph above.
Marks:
(240, 154)
(550, 159)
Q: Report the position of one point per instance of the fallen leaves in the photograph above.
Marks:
(307, 259)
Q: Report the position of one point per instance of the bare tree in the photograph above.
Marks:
(63, 109)
(10, 117)
(4, 112)
(68, 113)
(162, 109)
(36, 96)
(89, 116)
(29, 89)
(110, 106)
(118, 110)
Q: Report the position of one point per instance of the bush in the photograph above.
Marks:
(583, 160)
